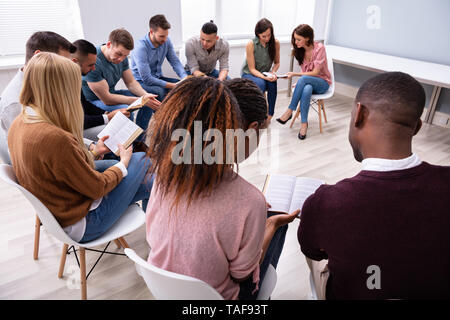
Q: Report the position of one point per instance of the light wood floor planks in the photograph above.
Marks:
(326, 156)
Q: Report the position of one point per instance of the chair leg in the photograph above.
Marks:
(297, 112)
(123, 242)
(62, 262)
(320, 115)
(37, 233)
(323, 109)
(83, 274)
(117, 242)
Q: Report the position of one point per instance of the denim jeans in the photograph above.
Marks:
(134, 187)
(143, 116)
(213, 74)
(264, 85)
(272, 256)
(306, 86)
(102, 165)
(160, 91)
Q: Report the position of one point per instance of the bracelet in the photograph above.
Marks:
(94, 153)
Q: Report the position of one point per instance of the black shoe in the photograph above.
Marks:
(284, 122)
(301, 136)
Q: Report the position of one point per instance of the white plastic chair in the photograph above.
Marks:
(166, 285)
(4, 152)
(317, 99)
(4, 156)
(132, 219)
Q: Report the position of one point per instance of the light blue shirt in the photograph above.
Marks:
(146, 62)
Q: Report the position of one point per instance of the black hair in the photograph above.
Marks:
(397, 96)
(251, 100)
(305, 31)
(209, 27)
(47, 41)
(84, 47)
(261, 26)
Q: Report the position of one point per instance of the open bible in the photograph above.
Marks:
(279, 76)
(139, 103)
(121, 130)
(287, 193)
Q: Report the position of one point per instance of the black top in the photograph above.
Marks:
(93, 115)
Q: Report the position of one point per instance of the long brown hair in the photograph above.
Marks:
(305, 31)
(261, 26)
(202, 99)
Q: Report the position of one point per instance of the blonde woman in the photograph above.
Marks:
(51, 161)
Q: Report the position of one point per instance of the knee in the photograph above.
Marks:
(301, 81)
(307, 90)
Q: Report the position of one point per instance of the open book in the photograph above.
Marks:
(122, 130)
(139, 103)
(287, 193)
(268, 74)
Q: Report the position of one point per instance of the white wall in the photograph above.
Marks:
(100, 17)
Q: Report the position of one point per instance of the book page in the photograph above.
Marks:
(136, 104)
(268, 74)
(279, 192)
(119, 129)
(304, 187)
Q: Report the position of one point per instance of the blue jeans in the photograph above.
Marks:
(134, 187)
(102, 165)
(306, 86)
(143, 116)
(213, 74)
(272, 256)
(264, 85)
(160, 91)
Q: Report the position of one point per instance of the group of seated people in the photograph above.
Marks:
(204, 220)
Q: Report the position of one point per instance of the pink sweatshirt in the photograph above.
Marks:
(318, 60)
(218, 237)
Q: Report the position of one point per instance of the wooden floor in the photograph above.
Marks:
(326, 156)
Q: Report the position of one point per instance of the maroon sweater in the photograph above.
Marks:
(398, 221)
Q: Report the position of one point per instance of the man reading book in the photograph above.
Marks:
(111, 66)
(385, 231)
(95, 119)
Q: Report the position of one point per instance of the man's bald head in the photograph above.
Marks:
(386, 115)
(396, 96)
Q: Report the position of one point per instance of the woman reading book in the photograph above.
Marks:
(314, 77)
(204, 220)
(51, 161)
(262, 57)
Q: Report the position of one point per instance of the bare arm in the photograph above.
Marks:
(313, 73)
(251, 61)
(101, 90)
(136, 89)
(223, 75)
(132, 85)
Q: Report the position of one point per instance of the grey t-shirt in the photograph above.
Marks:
(199, 59)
